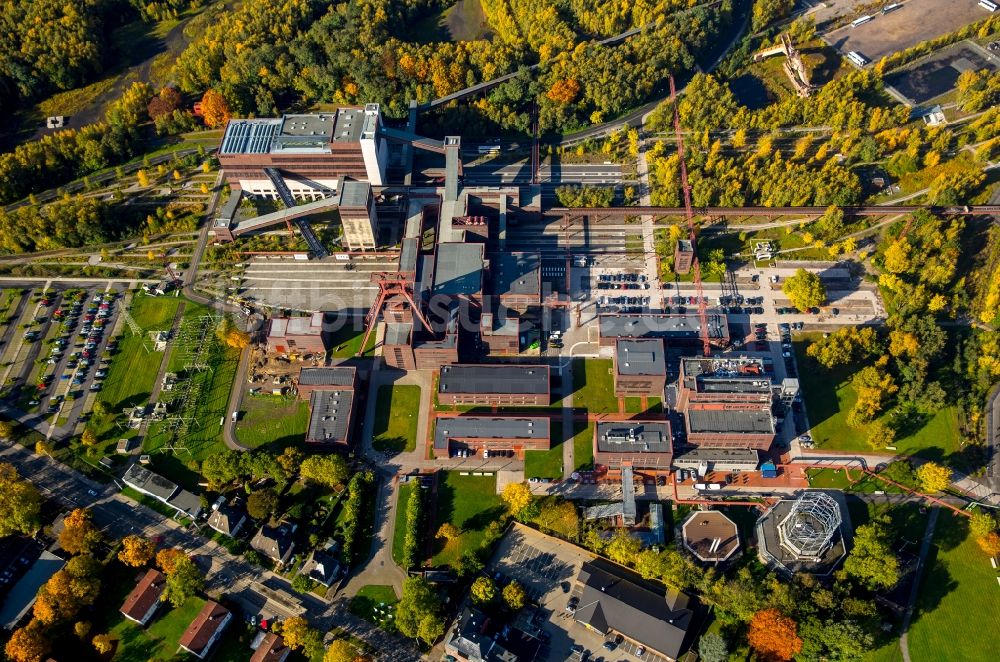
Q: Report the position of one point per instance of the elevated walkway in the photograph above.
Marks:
(286, 196)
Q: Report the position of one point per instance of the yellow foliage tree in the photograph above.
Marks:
(214, 109)
(103, 643)
(28, 644)
(136, 551)
(517, 496)
(933, 477)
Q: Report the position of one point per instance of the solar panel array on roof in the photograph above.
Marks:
(249, 136)
(333, 376)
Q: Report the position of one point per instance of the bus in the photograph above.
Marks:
(490, 148)
(988, 5)
(864, 19)
(893, 7)
(857, 59)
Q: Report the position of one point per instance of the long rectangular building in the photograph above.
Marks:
(734, 380)
(311, 153)
(640, 367)
(730, 428)
(493, 385)
(672, 328)
(642, 444)
(502, 433)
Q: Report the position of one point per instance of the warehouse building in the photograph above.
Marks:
(296, 335)
(674, 329)
(490, 433)
(330, 392)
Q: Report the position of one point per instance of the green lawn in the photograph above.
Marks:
(159, 640)
(583, 445)
(375, 603)
(829, 396)
(959, 601)
(347, 341)
(594, 386)
(546, 464)
(837, 480)
(272, 419)
(396, 414)
(471, 504)
(399, 531)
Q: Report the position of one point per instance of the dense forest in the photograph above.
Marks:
(54, 45)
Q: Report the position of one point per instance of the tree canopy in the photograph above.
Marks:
(805, 290)
(20, 503)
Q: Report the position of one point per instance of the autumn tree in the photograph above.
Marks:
(214, 109)
(290, 460)
(766, 12)
(341, 650)
(103, 643)
(933, 477)
(183, 581)
(514, 596)
(804, 290)
(136, 551)
(129, 109)
(262, 503)
(448, 531)
(81, 629)
(299, 635)
(558, 516)
(880, 435)
(517, 497)
(981, 523)
(166, 559)
(990, 544)
(20, 503)
(68, 591)
(564, 91)
(29, 644)
(142, 177)
(327, 470)
(774, 635)
(88, 438)
(483, 590)
(79, 535)
(6, 429)
(844, 346)
(164, 103)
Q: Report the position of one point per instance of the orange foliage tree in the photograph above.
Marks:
(990, 543)
(79, 534)
(136, 551)
(28, 644)
(167, 559)
(564, 90)
(214, 108)
(773, 635)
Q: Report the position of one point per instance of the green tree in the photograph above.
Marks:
(328, 470)
(183, 582)
(843, 640)
(262, 503)
(418, 611)
(871, 561)
(299, 635)
(514, 596)
(981, 523)
(712, 648)
(20, 503)
(766, 12)
(880, 435)
(483, 590)
(804, 290)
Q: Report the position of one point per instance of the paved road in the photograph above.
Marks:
(925, 546)
(992, 436)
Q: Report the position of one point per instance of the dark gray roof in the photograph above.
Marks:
(275, 542)
(459, 428)
(354, 193)
(22, 595)
(616, 600)
(529, 379)
(701, 454)
(660, 325)
(730, 374)
(333, 376)
(321, 566)
(186, 502)
(149, 483)
(685, 245)
(756, 421)
(516, 273)
(640, 356)
(459, 269)
(228, 210)
(227, 518)
(633, 437)
(329, 416)
(398, 334)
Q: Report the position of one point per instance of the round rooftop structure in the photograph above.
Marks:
(811, 526)
(710, 536)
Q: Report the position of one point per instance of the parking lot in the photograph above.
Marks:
(916, 21)
(937, 73)
(547, 567)
(312, 285)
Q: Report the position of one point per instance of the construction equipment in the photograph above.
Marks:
(692, 230)
(793, 66)
(390, 284)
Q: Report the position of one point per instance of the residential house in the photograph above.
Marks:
(205, 629)
(142, 603)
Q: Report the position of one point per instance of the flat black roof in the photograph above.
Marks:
(640, 356)
(332, 376)
(505, 379)
(633, 437)
(516, 273)
(329, 416)
(461, 428)
(756, 421)
(458, 269)
(662, 325)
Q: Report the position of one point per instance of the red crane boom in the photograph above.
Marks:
(692, 230)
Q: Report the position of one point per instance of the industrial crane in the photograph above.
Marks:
(692, 230)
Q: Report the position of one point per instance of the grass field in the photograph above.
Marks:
(958, 598)
(836, 479)
(583, 445)
(347, 341)
(594, 386)
(399, 530)
(375, 603)
(829, 396)
(546, 464)
(396, 415)
(159, 640)
(471, 504)
(272, 419)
